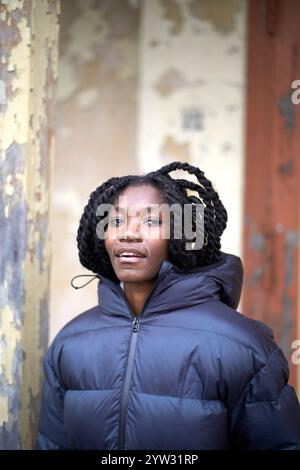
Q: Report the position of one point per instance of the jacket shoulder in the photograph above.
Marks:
(249, 335)
(87, 320)
(249, 357)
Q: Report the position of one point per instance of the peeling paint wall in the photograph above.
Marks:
(140, 83)
(28, 64)
(191, 94)
(272, 173)
(96, 129)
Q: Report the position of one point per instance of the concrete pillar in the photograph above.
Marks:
(28, 64)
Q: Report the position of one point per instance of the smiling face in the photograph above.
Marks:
(135, 237)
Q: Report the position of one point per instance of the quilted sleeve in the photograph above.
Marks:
(268, 414)
(51, 434)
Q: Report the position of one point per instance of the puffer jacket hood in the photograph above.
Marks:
(176, 289)
(189, 373)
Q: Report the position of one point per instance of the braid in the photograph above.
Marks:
(92, 252)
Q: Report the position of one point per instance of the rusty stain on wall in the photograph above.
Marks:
(220, 14)
(291, 242)
(172, 13)
(28, 38)
(98, 43)
(171, 81)
(287, 110)
(264, 246)
(173, 150)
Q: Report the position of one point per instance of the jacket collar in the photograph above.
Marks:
(175, 288)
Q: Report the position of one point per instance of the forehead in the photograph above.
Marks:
(139, 196)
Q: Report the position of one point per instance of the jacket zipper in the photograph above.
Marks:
(129, 367)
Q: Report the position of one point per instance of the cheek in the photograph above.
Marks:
(108, 246)
(166, 247)
(159, 248)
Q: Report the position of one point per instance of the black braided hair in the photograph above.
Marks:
(92, 252)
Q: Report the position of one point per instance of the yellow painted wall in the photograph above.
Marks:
(28, 66)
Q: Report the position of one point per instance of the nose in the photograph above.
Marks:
(131, 231)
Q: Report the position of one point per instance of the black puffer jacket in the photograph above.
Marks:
(190, 373)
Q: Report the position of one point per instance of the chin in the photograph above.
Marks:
(132, 276)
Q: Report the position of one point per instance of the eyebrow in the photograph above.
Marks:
(123, 209)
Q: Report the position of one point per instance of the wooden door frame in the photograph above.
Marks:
(272, 172)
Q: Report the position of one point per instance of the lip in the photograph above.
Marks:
(135, 254)
(131, 260)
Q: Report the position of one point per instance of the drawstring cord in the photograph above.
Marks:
(94, 276)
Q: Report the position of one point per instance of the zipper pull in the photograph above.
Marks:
(136, 324)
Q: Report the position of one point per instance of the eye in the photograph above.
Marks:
(115, 221)
(154, 222)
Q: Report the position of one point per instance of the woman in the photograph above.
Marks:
(164, 361)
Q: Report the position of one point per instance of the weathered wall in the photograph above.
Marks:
(191, 94)
(28, 57)
(272, 235)
(96, 129)
(142, 83)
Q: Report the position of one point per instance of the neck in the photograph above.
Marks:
(137, 294)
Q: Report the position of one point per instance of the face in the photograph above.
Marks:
(135, 237)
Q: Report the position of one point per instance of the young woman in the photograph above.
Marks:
(164, 361)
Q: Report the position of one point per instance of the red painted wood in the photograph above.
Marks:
(272, 170)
